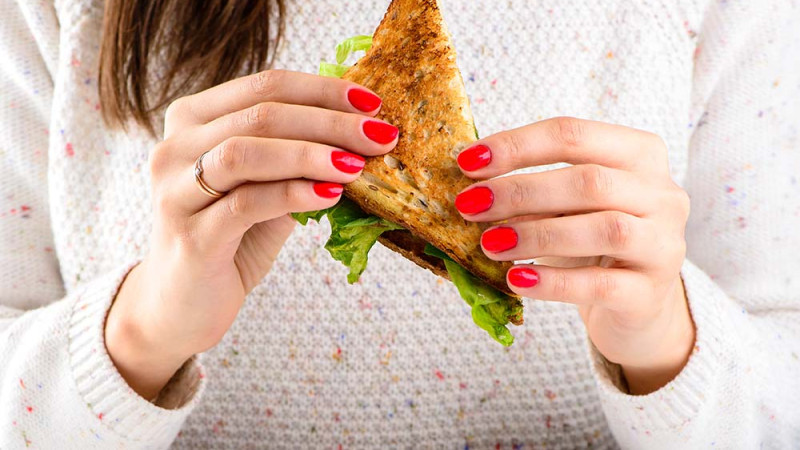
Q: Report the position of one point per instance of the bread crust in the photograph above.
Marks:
(412, 67)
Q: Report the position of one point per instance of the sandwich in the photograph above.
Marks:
(405, 199)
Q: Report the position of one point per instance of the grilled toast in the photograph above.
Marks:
(412, 67)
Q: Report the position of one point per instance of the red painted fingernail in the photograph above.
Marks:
(475, 200)
(363, 100)
(500, 239)
(347, 162)
(475, 158)
(328, 190)
(523, 277)
(380, 132)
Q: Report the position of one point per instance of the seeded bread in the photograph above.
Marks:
(412, 67)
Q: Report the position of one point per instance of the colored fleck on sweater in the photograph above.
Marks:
(395, 361)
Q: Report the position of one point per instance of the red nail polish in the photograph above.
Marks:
(523, 277)
(363, 100)
(328, 190)
(347, 162)
(499, 239)
(474, 201)
(475, 158)
(380, 132)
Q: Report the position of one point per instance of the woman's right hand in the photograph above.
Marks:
(278, 142)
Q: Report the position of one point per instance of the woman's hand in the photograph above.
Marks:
(607, 234)
(278, 142)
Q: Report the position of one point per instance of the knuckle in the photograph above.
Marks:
(684, 203)
(305, 156)
(518, 194)
(604, 287)
(231, 155)
(260, 116)
(159, 160)
(544, 237)
(659, 145)
(338, 123)
(177, 108)
(238, 202)
(567, 131)
(619, 231)
(594, 182)
(326, 89)
(265, 83)
(561, 286)
(514, 149)
(292, 195)
(679, 251)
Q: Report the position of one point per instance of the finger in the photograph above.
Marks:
(240, 160)
(353, 132)
(564, 140)
(575, 189)
(607, 233)
(274, 86)
(615, 289)
(226, 220)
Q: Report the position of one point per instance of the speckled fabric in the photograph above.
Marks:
(395, 361)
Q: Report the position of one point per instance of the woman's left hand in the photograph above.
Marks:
(607, 234)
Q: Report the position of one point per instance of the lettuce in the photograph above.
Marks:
(352, 45)
(343, 51)
(353, 233)
(332, 70)
(317, 216)
(491, 309)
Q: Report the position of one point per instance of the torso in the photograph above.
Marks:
(394, 361)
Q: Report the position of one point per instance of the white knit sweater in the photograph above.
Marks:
(395, 361)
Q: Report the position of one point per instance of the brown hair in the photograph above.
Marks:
(196, 44)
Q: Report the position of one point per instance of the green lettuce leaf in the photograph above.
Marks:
(332, 70)
(352, 45)
(317, 216)
(353, 233)
(343, 51)
(491, 309)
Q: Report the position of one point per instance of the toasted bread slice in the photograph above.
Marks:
(412, 66)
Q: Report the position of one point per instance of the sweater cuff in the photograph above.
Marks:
(675, 405)
(102, 387)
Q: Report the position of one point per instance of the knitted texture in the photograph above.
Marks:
(395, 360)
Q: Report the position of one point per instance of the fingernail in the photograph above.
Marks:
(499, 239)
(328, 190)
(475, 158)
(363, 100)
(380, 132)
(347, 162)
(523, 277)
(474, 201)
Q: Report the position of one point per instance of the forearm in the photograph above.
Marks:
(737, 388)
(58, 379)
(144, 364)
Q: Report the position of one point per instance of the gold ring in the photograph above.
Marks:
(198, 178)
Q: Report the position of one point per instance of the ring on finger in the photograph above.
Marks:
(198, 178)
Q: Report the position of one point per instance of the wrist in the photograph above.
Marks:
(670, 351)
(142, 360)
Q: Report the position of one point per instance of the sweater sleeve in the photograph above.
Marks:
(58, 385)
(741, 386)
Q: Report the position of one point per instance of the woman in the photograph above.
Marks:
(117, 269)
